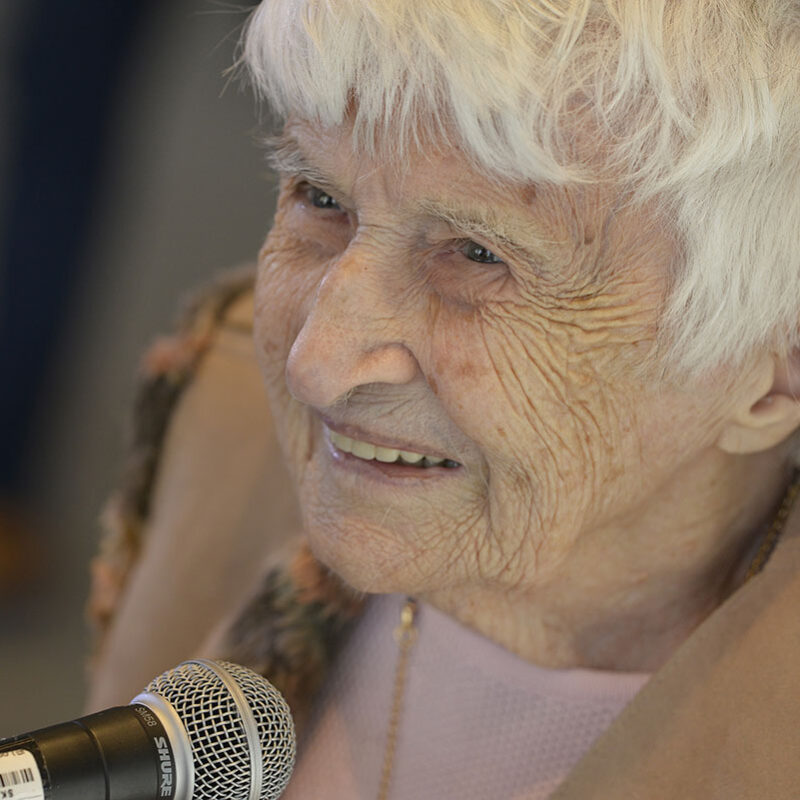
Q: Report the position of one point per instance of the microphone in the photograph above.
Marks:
(205, 730)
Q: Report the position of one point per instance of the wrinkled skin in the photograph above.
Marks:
(559, 534)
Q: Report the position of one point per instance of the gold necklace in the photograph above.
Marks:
(405, 633)
(775, 528)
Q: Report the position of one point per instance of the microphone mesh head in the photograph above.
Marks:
(217, 733)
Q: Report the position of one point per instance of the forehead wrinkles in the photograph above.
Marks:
(334, 162)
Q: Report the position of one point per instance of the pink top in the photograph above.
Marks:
(478, 721)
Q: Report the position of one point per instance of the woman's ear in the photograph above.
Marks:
(771, 414)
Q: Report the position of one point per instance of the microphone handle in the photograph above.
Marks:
(121, 753)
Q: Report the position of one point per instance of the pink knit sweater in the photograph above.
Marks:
(478, 721)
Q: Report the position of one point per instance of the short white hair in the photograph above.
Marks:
(696, 104)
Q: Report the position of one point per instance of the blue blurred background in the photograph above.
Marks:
(129, 174)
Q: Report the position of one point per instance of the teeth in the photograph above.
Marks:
(363, 450)
(387, 455)
(343, 443)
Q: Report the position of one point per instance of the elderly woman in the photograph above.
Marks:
(528, 320)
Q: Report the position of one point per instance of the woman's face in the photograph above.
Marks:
(501, 332)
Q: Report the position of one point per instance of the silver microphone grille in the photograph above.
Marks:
(233, 759)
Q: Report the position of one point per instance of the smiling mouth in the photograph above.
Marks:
(387, 455)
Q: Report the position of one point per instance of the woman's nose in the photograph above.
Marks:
(352, 335)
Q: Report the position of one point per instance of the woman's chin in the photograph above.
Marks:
(370, 560)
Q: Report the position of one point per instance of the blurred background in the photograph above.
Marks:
(129, 174)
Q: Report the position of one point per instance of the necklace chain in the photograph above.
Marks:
(405, 633)
(775, 528)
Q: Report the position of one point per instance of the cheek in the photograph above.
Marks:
(504, 380)
(492, 386)
(543, 401)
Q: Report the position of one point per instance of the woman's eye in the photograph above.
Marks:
(321, 199)
(477, 252)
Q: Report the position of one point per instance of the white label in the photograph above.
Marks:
(19, 776)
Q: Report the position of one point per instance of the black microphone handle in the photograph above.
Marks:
(121, 753)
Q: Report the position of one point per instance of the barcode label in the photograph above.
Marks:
(19, 776)
(16, 777)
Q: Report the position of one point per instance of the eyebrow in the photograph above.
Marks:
(491, 228)
(285, 156)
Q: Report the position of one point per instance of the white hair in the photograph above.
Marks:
(693, 103)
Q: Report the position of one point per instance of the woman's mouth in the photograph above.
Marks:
(367, 451)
